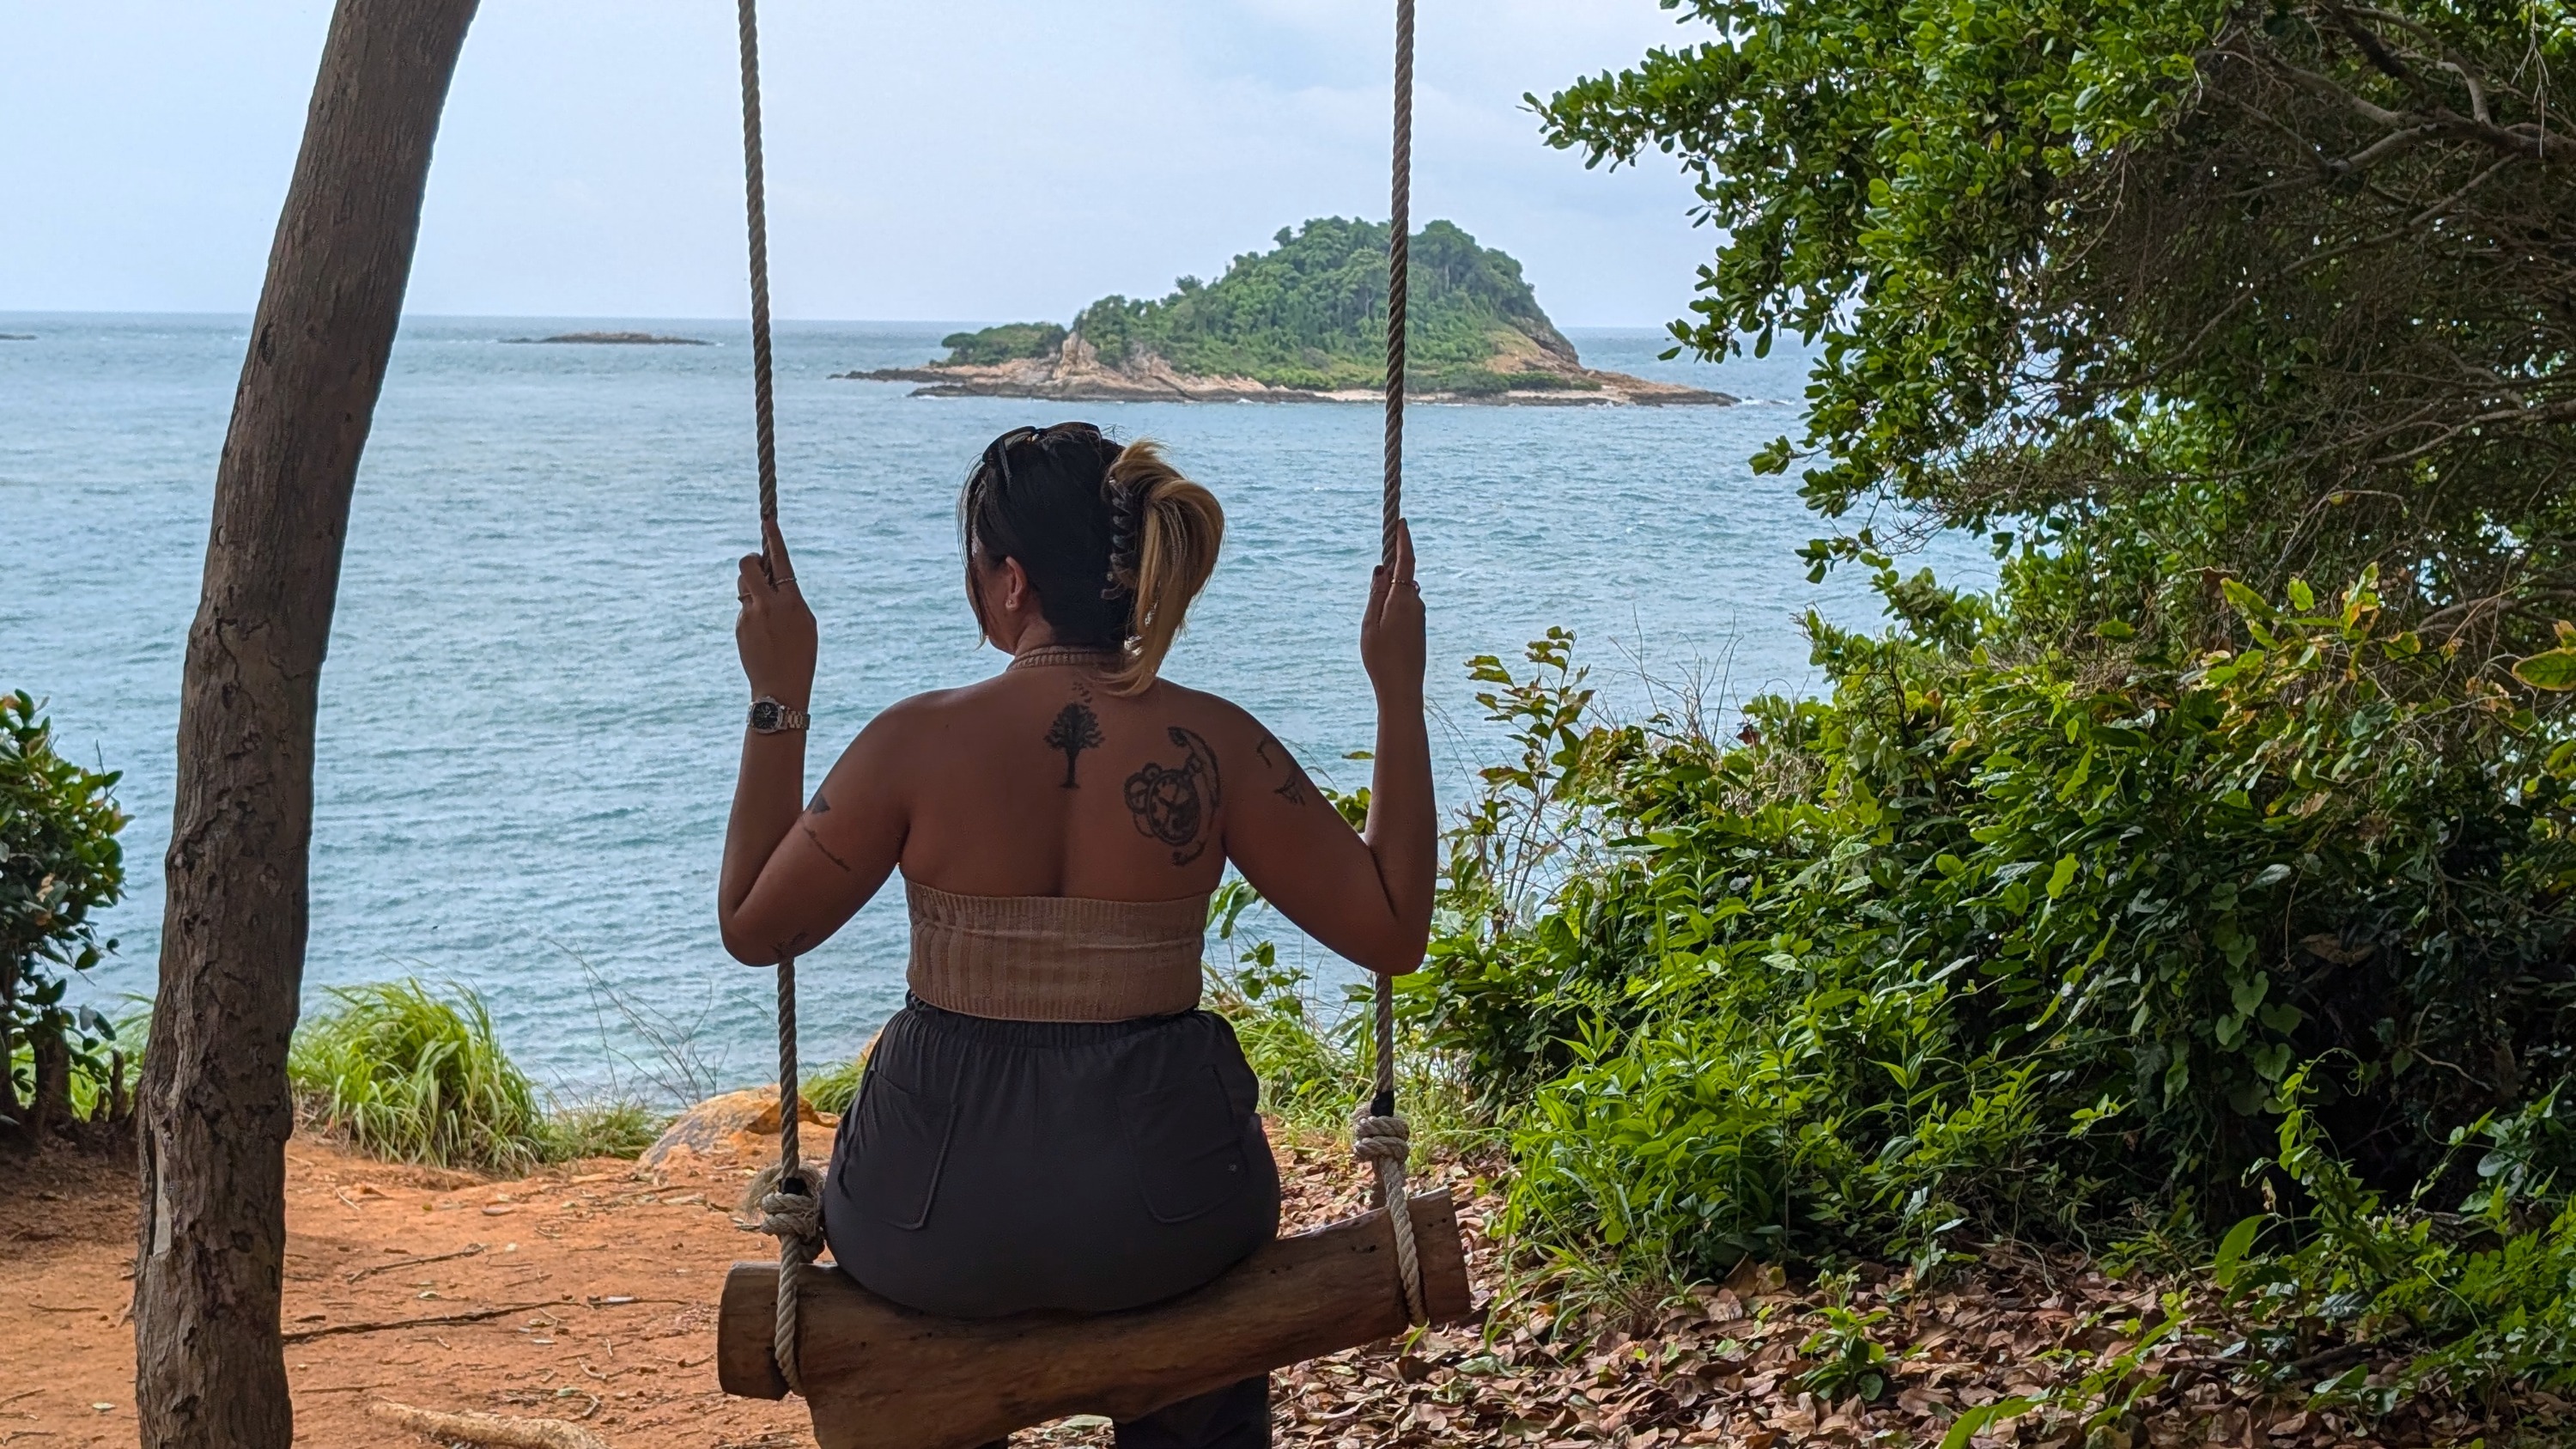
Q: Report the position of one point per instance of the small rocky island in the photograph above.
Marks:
(1303, 322)
(614, 339)
(17, 336)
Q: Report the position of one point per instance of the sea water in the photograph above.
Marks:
(531, 711)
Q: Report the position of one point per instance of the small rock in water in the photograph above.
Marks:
(616, 339)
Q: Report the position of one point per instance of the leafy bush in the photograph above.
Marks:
(59, 863)
(2017, 947)
(2482, 1299)
(2261, 281)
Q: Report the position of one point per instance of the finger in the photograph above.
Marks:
(774, 548)
(1404, 551)
(1381, 584)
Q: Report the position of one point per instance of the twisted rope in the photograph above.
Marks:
(1379, 1137)
(789, 1211)
(1399, 277)
(755, 196)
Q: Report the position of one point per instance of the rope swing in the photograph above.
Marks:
(1380, 1137)
(789, 1208)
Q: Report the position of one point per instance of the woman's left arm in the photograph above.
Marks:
(791, 878)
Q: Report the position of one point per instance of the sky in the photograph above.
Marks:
(958, 160)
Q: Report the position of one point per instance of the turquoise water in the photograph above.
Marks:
(531, 710)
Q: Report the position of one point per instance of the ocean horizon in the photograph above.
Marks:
(531, 706)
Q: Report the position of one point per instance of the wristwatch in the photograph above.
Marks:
(769, 717)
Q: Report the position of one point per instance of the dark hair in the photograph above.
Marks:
(1115, 541)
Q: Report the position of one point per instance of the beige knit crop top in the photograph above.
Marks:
(1055, 958)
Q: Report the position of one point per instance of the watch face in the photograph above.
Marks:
(764, 715)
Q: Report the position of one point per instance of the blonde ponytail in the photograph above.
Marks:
(1165, 541)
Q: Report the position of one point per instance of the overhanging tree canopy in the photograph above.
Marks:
(2293, 285)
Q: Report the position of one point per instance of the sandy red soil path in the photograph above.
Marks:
(611, 1276)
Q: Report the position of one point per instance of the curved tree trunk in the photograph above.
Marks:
(209, 1372)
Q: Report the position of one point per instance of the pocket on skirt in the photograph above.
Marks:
(1188, 1141)
(900, 1145)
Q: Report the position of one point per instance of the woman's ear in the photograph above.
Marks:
(1017, 595)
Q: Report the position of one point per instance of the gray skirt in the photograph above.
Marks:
(994, 1167)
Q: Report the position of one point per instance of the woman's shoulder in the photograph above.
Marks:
(926, 710)
(1220, 719)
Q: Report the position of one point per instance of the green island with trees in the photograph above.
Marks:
(1305, 319)
(2196, 908)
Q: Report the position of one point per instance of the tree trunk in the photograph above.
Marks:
(51, 1106)
(209, 1372)
(9, 1119)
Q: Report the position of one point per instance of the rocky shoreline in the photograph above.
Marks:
(1075, 373)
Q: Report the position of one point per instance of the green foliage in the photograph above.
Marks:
(835, 1087)
(1315, 1057)
(2018, 947)
(59, 863)
(1849, 1362)
(2482, 1300)
(415, 1077)
(2261, 285)
(597, 1129)
(1311, 313)
(406, 1074)
(1009, 342)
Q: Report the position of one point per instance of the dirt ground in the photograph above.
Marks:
(609, 1277)
(600, 1279)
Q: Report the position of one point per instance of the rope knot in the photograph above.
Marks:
(1381, 1139)
(789, 1215)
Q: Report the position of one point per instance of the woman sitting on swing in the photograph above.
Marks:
(1050, 1122)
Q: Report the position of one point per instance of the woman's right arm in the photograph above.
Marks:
(793, 876)
(1366, 897)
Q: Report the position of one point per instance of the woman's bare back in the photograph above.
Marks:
(1040, 782)
(1077, 771)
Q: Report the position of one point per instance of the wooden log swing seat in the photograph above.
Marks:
(882, 1377)
(879, 1376)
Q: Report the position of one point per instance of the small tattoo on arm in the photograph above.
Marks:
(1075, 730)
(1294, 788)
(1177, 804)
(827, 851)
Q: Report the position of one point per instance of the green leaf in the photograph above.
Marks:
(2553, 670)
(1973, 1422)
(2232, 1250)
(2060, 878)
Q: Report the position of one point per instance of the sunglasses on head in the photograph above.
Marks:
(997, 454)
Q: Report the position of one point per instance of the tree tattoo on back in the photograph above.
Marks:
(1177, 804)
(1075, 730)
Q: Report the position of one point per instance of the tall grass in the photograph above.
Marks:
(403, 1073)
(414, 1077)
(834, 1088)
